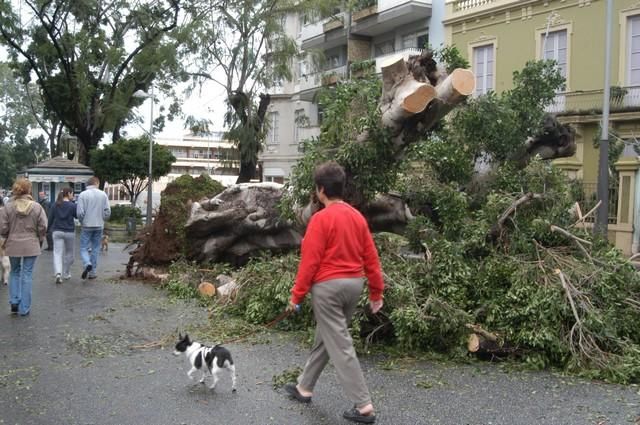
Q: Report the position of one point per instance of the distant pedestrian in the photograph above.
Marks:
(4, 260)
(63, 228)
(23, 224)
(46, 206)
(337, 252)
(93, 210)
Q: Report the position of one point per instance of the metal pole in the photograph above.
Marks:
(150, 186)
(602, 218)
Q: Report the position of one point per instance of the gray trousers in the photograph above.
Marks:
(63, 243)
(334, 302)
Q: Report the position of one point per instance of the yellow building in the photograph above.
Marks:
(500, 36)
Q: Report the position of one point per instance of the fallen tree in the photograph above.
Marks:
(410, 102)
(504, 253)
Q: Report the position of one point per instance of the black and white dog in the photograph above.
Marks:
(209, 360)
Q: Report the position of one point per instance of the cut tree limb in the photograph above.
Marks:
(498, 228)
(410, 97)
(487, 344)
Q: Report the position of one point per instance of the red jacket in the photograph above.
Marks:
(337, 244)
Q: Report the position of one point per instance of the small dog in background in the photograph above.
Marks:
(209, 360)
(4, 263)
(104, 243)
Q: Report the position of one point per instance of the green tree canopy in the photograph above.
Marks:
(247, 42)
(88, 58)
(22, 113)
(127, 162)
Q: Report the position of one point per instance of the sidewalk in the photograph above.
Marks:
(70, 362)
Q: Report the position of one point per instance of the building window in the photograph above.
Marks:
(483, 67)
(301, 68)
(554, 47)
(274, 179)
(272, 138)
(384, 48)
(633, 51)
(416, 40)
(298, 124)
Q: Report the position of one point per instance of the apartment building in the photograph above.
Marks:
(500, 36)
(374, 31)
(213, 155)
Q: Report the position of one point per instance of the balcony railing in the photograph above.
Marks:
(330, 76)
(459, 9)
(590, 101)
(466, 5)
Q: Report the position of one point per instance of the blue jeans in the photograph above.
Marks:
(20, 281)
(90, 239)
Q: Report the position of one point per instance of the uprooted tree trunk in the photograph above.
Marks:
(416, 95)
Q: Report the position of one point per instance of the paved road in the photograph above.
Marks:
(70, 362)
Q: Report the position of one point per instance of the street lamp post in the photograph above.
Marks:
(602, 216)
(142, 94)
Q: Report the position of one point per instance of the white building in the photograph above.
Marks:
(195, 155)
(384, 28)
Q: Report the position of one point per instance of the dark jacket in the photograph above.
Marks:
(61, 217)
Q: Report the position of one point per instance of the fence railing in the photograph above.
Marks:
(589, 199)
(464, 5)
(316, 79)
(590, 101)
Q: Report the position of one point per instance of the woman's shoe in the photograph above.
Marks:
(58, 279)
(14, 308)
(292, 390)
(354, 415)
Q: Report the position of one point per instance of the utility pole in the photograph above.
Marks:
(150, 187)
(602, 217)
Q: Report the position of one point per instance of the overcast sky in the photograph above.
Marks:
(206, 103)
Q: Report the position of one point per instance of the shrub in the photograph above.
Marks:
(120, 214)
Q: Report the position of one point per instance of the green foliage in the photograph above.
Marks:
(489, 257)
(363, 66)
(287, 376)
(127, 162)
(175, 200)
(349, 109)
(251, 31)
(121, 213)
(87, 69)
(450, 56)
(449, 163)
(8, 169)
(269, 278)
(516, 114)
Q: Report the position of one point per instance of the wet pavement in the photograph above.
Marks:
(80, 358)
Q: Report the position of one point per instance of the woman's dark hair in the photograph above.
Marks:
(66, 191)
(331, 177)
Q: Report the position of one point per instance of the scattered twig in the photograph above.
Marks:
(582, 218)
(496, 229)
(577, 240)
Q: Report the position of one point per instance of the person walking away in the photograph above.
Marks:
(337, 252)
(4, 260)
(23, 225)
(62, 226)
(92, 211)
(46, 206)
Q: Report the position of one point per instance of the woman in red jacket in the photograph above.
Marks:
(337, 253)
